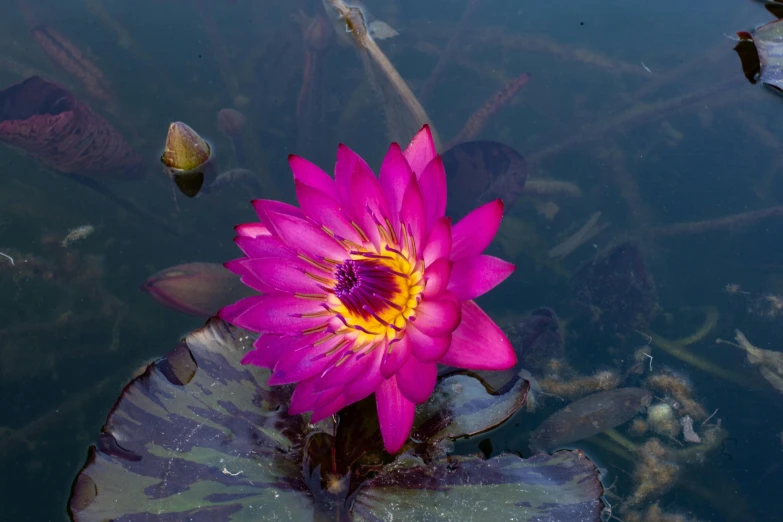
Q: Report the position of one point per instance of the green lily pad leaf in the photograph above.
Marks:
(563, 487)
(198, 436)
(462, 406)
(767, 60)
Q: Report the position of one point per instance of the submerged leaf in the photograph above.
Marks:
(562, 487)
(589, 416)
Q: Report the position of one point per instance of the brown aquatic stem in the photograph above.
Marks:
(355, 24)
(479, 119)
(636, 115)
(727, 222)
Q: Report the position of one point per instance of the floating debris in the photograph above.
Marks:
(654, 473)
(660, 418)
(77, 234)
(577, 386)
(687, 430)
(679, 393)
(9, 257)
(770, 363)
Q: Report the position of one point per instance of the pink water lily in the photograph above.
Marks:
(367, 286)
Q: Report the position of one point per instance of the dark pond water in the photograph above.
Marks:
(639, 111)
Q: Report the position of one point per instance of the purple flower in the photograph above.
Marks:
(367, 286)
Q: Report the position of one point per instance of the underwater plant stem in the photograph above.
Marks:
(677, 348)
(620, 439)
(727, 222)
(448, 52)
(637, 114)
(355, 24)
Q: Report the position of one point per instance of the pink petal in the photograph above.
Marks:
(312, 175)
(284, 275)
(263, 246)
(395, 415)
(477, 275)
(325, 211)
(395, 356)
(436, 277)
(268, 349)
(277, 313)
(348, 166)
(412, 214)
(305, 237)
(262, 206)
(473, 234)
(322, 412)
(432, 184)
(394, 177)
(416, 380)
(421, 150)
(438, 242)
(237, 266)
(368, 381)
(232, 311)
(478, 343)
(426, 348)
(252, 230)
(437, 318)
(307, 393)
(365, 196)
(349, 369)
(304, 359)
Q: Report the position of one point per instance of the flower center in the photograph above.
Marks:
(367, 288)
(374, 292)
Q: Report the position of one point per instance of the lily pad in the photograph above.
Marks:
(198, 436)
(461, 406)
(761, 53)
(544, 488)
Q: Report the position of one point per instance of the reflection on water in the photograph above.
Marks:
(644, 209)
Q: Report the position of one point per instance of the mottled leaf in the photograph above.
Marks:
(589, 416)
(563, 487)
(462, 406)
(218, 447)
(768, 40)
